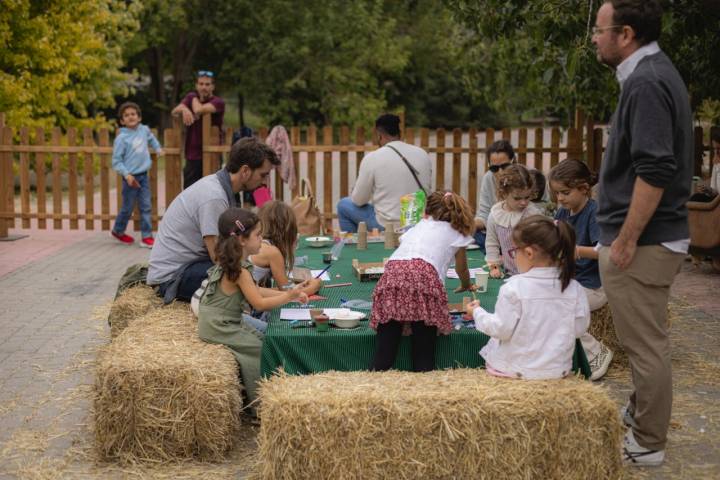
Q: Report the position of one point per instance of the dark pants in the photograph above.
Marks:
(190, 280)
(480, 239)
(388, 341)
(192, 172)
(131, 196)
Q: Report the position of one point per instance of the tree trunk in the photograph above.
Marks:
(157, 86)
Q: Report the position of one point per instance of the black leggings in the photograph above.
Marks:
(387, 342)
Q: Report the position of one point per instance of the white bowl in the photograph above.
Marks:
(318, 241)
(349, 319)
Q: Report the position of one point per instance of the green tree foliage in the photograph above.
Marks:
(60, 60)
(315, 61)
(537, 57)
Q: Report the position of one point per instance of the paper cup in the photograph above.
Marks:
(481, 281)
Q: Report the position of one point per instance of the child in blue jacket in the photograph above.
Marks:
(131, 159)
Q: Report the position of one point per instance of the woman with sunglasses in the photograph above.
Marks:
(515, 189)
(500, 155)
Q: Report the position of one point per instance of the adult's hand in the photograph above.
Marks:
(622, 253)
(188, 117)
(465, 288)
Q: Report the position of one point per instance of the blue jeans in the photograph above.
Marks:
(191, 279)
(129, 197)
(480, 239)
(349, 215)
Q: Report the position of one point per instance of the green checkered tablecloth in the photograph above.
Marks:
(304, 350)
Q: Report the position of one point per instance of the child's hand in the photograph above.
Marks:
(303, 298)
(465, 288)
(495, 271)
(472, 306)
(132, 182)
(159, 152)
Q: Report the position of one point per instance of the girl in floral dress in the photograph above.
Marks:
(410, 297)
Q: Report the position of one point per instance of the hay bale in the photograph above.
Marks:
(132, 303)
(602, 328)
(444, 424)
(162, 394)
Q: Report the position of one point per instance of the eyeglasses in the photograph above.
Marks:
(205, 73)
(497, 168)
(598, 30)
(511, 252)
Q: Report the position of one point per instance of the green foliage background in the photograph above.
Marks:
(445, 63)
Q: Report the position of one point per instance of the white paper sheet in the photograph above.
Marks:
(451, 273)
(324, 277)
(304, 313)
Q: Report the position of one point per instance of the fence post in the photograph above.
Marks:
(206, 142)
(5, 172)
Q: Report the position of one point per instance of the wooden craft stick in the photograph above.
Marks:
(337, 285)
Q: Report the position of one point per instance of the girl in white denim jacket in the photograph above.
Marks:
(539, 312)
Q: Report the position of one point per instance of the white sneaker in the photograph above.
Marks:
(637, 456)
(627, 416)
(599, 365)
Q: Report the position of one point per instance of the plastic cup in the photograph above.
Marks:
(481, 281)
(322, 323)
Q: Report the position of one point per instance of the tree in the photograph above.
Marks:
(314, 61)
(537, 57)
(60, 61)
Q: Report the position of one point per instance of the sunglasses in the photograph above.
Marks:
(497, 168)
(205, 73)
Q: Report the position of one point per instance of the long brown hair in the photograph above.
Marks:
(514, 177)
(554, 239)
(573, 174)
(234, 222)
(452, 208)
(280, 227)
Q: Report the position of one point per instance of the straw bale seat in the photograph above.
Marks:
(131, 303)
(162, 394)
(602, 328)
(459, 423)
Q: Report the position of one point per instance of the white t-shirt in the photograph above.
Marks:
(384, 178)
(432, 241)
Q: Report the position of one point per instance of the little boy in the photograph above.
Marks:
(131, 159)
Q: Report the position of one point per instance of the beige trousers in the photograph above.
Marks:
(638, 298)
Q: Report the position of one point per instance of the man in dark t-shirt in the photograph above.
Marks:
(191, 108)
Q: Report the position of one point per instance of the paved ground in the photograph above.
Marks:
(53, 304)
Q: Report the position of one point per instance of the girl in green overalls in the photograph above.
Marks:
(231, 292)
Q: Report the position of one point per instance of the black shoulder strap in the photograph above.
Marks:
(412, 170)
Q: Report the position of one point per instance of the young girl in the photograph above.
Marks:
(231, 291)
(410, 296)
(539, 312)
(571, 181)
(515, 190)
(277, 252)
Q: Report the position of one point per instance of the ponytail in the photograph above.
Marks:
(452, 208)
(554, 239)
(566, 252)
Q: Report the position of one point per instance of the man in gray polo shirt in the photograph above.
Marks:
(185, 244)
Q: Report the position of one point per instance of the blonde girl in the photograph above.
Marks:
(515, 190)
(231, 293)
(410, 296)
(571, 182)
(277, 253)
(540, 311)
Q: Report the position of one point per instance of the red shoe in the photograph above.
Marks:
(147, 242)
(126, 239)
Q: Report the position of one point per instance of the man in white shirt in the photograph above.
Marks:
(393, 170)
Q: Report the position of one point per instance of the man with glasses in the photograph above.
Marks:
(500, 155)
(191, 108)
(644, 184)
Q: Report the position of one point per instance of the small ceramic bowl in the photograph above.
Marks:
(318, 241)
(349, 319)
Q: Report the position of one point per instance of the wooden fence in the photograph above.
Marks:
(66, 163)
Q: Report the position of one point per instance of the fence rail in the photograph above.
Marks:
(66, 178)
